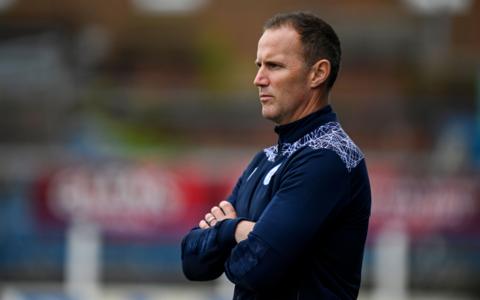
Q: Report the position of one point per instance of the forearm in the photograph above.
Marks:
(204, 251)
(202, 259)
(254, 265)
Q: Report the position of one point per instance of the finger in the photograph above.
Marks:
(213, 222)
(209, 218)
(217, 213)
(203, 224)
(228, 209)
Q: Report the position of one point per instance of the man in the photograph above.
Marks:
(295, 224)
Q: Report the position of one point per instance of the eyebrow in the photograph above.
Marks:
(270, 62)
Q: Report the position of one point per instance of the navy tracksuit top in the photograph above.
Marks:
(310, 198)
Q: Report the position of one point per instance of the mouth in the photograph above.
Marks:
(265, 97)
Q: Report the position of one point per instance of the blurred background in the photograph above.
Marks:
(123, 121)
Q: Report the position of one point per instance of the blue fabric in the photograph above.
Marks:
(310, 198)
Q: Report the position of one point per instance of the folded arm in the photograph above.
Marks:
(206, 247)
(309, 193)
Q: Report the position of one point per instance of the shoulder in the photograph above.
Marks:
(325, 142)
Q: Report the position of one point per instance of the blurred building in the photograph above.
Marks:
(119, 113)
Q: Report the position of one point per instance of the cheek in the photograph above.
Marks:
(289, 85)
(294, 89)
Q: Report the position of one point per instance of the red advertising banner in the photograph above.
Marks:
(127, 198)
(424, 203)
(147, 198)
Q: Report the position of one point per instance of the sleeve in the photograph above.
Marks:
(311, 188)
(204, 251)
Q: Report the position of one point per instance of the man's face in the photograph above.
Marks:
(282, 77)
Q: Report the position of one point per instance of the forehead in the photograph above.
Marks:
(283, 41)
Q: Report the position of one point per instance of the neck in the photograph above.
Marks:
(316, 102)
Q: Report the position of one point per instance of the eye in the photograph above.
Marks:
(273, 66)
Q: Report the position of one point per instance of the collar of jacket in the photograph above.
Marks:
(292, 132)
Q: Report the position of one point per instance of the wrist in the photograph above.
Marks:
(244, 227)
(226, 232)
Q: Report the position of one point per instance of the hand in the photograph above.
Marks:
(224, 210)
(243, 229)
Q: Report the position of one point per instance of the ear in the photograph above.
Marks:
(320, 72)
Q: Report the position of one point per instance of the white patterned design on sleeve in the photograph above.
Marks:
(328, 136)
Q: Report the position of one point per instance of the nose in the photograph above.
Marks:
(260, 79)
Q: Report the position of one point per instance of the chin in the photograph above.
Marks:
(268, 114)
(272, 118)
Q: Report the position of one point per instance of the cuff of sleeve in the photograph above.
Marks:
(226, 232)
